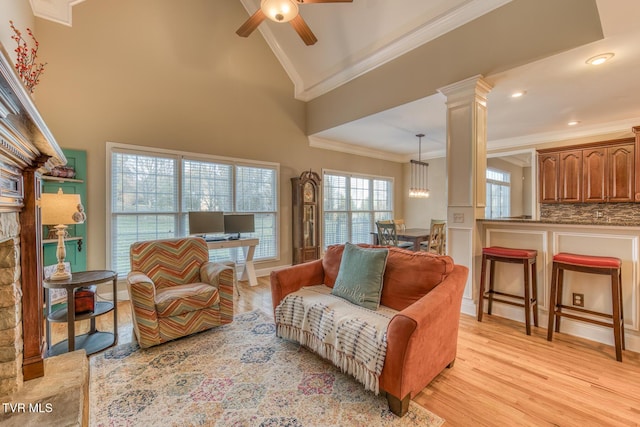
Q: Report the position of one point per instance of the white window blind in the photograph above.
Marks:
(152, 193)
(352, 205)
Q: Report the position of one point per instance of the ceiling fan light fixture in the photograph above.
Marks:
(279, 10)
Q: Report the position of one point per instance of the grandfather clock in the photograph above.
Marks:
(306, 217)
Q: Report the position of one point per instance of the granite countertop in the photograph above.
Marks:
(569, 221)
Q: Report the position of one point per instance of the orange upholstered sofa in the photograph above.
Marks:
(422, 337)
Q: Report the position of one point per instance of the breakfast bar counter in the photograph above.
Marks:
(600, 237)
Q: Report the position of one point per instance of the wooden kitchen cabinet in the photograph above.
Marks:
(608, 174)
(636, 131)
(621, 173)
(548, 173)
(593, 173)
(570, 173)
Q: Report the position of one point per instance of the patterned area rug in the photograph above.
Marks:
(239, 374)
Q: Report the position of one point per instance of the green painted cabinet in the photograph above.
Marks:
(76, 243)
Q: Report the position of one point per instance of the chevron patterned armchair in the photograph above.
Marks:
(175, 291)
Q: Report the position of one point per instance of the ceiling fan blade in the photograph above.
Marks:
(324, 1)
(303, 30)
(251, 23)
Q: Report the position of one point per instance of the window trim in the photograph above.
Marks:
(112, 147)
(352, 175)
(498, 183)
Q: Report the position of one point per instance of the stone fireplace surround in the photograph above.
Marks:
(10, 305)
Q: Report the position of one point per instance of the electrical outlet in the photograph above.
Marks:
(578, 300)
(458, 217)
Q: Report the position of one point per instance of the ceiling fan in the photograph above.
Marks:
(283, 11)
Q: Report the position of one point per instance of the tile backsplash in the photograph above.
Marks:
(589, 213)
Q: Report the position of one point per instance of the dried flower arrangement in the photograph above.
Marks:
(28, 70)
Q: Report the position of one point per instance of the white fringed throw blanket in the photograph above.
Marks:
(352, 337)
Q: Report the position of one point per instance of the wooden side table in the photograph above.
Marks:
(94, 340)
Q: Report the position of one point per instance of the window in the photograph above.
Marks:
(352, 205)
(498, 194)
(152, 192)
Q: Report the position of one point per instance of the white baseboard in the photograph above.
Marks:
(584, 330)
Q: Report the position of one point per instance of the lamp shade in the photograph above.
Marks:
(59, 208)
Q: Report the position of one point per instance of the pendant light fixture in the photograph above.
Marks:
(419, 187)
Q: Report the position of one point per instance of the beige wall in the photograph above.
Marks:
(157, 73)
(18, 11)
(419, 212)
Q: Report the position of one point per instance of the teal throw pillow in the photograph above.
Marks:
(360, 276)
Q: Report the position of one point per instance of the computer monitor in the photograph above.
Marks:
(206, 222)
(240, 223)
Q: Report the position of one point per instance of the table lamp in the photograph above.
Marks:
(61, 209)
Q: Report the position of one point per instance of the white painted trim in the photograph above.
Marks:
(427, 32)
(327, 144)
(635, 266)
(469, 307)
(543, 282)
(555, 136)
(58, 11)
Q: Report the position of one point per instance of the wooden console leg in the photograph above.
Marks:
(397, 406)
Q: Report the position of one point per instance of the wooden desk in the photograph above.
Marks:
(413, 235)
(248, 248)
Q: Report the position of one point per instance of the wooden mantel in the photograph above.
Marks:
(27, 148)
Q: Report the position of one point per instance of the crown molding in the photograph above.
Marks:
(358, 150)
(342, 147)
(625, 126)
(58, 11)
(494, 146)
(428, 31)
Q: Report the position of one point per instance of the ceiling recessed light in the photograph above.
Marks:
(573, 122)
(518, 94)
(599, 59)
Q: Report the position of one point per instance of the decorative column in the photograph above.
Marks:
(466, 169)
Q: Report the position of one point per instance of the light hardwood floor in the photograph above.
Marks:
(501, 376)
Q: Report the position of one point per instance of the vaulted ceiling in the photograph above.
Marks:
(355, 38)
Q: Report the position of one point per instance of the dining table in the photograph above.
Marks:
(413, 235)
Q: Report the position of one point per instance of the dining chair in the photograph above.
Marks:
(387, 235)
(437, 237)
(400, 226)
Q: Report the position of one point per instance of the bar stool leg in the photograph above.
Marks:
(527, 297)
(559, 291)
(492, 270)
(621, 308)
(534, 288)
(552, 301)
(483, 273)
(617, 334)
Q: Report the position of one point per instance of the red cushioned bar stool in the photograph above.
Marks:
(593, 265)
(526, 257)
